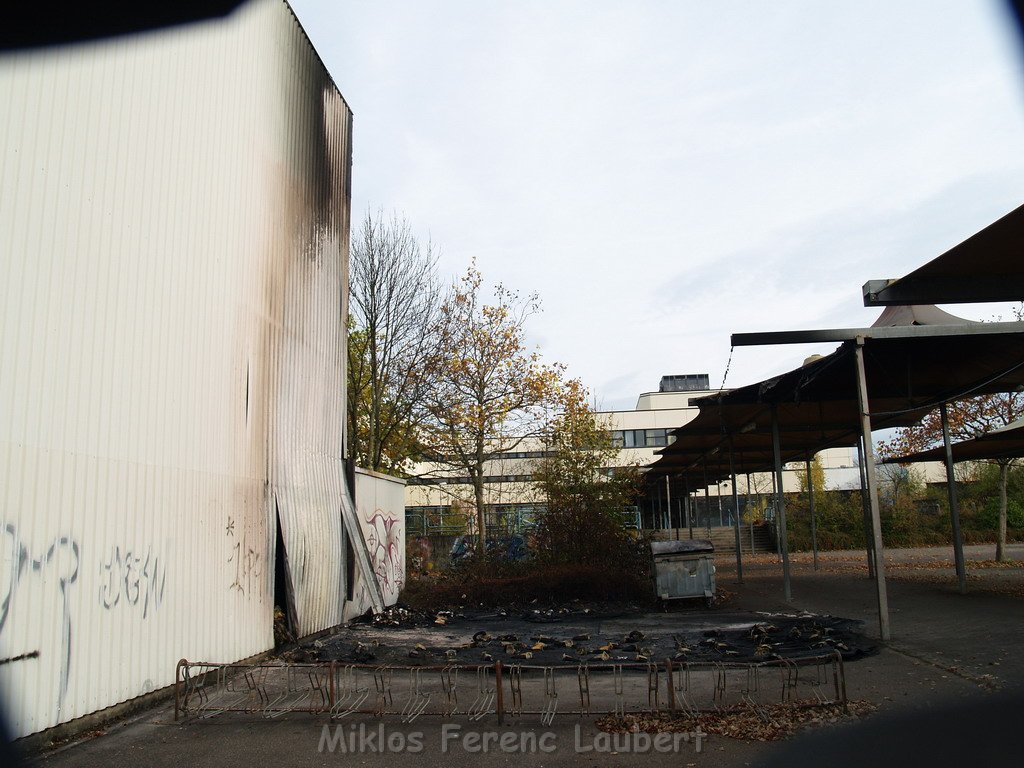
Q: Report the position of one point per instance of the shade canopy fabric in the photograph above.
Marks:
(988, 266)
(816, 405)
(917, 314)
(1003, 443)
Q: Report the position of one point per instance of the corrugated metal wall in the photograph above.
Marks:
(173, 220)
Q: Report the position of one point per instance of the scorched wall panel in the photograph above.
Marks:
(173, 220)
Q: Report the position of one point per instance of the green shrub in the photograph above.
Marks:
(988, 516)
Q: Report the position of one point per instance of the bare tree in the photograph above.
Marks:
(394, 304)
(898, 481)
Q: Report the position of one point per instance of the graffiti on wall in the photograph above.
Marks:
(134, 577)
(245, 560)
(57, 565)
(384, 541)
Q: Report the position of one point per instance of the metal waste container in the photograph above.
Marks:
(684, 568)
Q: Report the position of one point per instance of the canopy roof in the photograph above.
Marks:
(1003, 443)
(909, 370)
(987, 266)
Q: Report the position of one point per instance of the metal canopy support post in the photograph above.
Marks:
(668, 503)
(689, 505)
(656, 508)
(865, 510)
(707, 509)
(775, 514)
(954, 505)
(869, 471)
(810, 505)
(780, 509)
(707, 497)
(751, 517)
(736, 521)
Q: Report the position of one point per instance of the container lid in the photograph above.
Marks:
(681, 547)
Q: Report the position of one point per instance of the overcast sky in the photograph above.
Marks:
(667, 173)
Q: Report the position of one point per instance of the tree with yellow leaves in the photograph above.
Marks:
(490, 393)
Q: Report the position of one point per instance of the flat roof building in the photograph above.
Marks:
(512, 496)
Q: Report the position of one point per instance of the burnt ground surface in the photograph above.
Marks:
(577, 633)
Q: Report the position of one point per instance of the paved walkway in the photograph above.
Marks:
(947, 649)
(975, 635)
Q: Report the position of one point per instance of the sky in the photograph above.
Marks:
(667, 173)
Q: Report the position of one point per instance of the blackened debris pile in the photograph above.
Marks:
(403, 637)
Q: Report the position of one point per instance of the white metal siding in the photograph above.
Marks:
(173, 220)
(306, 331)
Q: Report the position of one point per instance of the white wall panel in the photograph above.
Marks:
(173, 220)
(380, 504)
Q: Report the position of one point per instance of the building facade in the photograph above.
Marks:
(440, 501)
(174, 225)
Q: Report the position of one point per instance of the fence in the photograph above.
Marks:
(501, 519)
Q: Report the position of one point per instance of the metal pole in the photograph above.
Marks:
(810, 504)
(775, 515)
(656, 508)
(499, 692)
(751, 517)
(954, 505)
(671, 685)
(707, 509)
(865, 510)
(707, 497)
(780, 510)
(668, 503)
(736, 522)
(689, 505)
(869, 471)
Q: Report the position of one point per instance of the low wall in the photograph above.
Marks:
(380, 504)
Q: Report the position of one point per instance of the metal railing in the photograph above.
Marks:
(501, 519)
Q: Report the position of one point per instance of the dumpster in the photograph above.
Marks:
(684, 568)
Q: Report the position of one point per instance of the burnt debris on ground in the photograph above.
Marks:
(579, 634)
